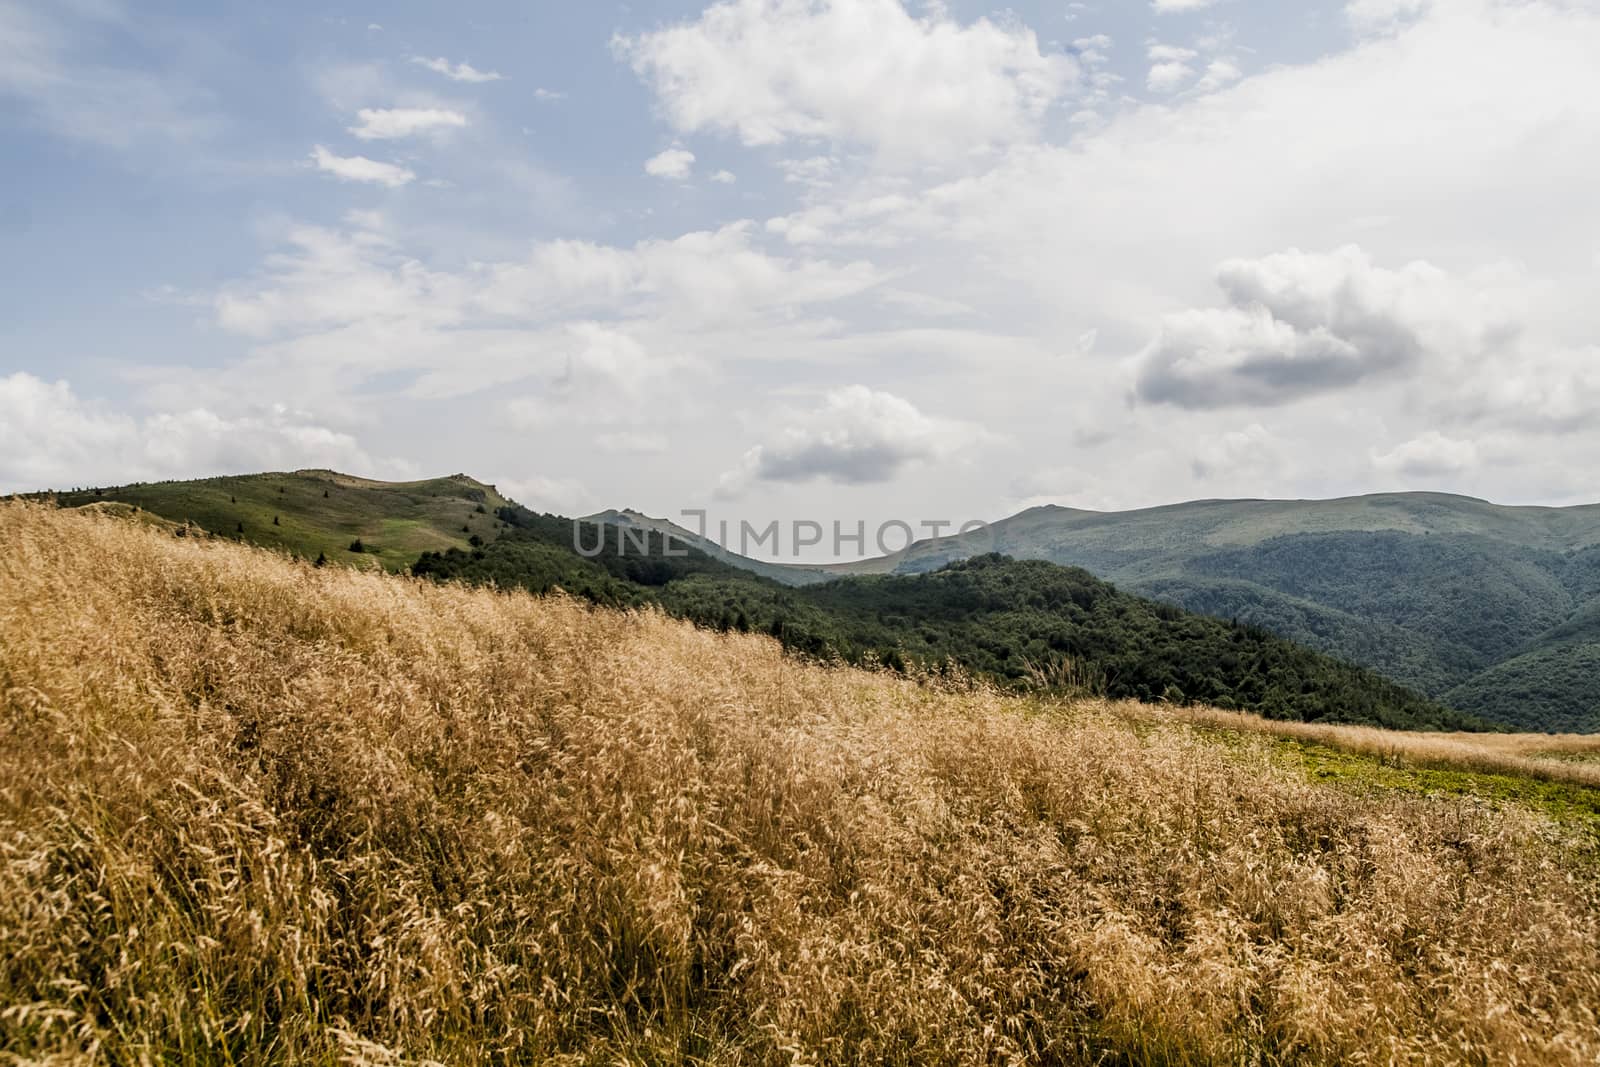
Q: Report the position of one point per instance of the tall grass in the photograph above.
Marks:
(253, 811)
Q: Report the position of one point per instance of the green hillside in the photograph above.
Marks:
(1022, 623)
(1468, 601)
(316, 512)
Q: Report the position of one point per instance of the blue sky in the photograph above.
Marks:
(806, 258)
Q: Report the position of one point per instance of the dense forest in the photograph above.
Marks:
(1020, 623)
(1478, 605)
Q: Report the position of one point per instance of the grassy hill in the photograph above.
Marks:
(1464, 600)
(254, 811)
(314, 512)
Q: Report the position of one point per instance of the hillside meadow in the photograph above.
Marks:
(254, 811)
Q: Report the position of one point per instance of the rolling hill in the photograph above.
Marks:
(1488, 609)
(318, 512)
(1477, 604)
(1022, 623)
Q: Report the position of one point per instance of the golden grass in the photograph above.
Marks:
(253, 811)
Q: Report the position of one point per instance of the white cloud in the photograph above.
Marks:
(1464, 138)
(1432, 455)
(859, 436)
(461, 72)
(724, 177)
(674, 163)
(361, 169)
(548, 95)
(1247, 457)
(50, 438)
(1297, 325)
(1382, 16)
(599, 375)
(1219, 74)
(863, 72)
(326, 280)
(385, 124)
(540, 492)
(1167, 7)
(1169, 68)
(573, 335)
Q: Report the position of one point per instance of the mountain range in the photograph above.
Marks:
(1490, 610)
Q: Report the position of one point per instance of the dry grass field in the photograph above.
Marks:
(253, 811)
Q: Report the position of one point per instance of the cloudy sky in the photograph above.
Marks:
(807, 258)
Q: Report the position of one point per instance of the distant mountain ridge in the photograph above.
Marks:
(1491, 608)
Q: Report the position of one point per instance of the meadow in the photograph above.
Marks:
(256, 811)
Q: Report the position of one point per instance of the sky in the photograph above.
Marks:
(807, 259)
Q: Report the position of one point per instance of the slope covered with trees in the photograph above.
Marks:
(1023, 623)
(1438, 592)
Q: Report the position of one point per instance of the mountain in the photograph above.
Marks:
(1022, 623)
(1435, 592)
(788, 574)
(1489, 608)
(319, 512)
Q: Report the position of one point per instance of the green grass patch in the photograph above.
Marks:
(312, 513)
(1566, 802)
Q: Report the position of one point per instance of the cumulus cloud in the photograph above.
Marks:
(50, 438)
(387, 124)
(1296, 325)
(675, 164)
(361, 169)
(977, 280)
(859, 436)
(1169, 68)
(461, 72)
(1432, 455)
(1168, 7)
(1219, 74)
(573, 334)
(864, 72)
